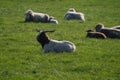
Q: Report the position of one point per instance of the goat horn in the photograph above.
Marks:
(45, 30)
(49, 31)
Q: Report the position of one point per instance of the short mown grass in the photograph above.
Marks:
(22, 57)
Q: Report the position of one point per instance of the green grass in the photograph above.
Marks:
(22, 58)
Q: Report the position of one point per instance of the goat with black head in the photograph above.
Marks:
(43, 38)
(50, 45)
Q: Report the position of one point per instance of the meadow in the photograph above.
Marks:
(22, 57)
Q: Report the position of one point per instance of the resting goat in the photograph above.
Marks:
(50, 45)
(73, 15)
(37, 17)
(92, 34)
(109, 32)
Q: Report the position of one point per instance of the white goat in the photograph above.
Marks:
(37, 17)
(109, 32)
(73, 15)
(50, 45)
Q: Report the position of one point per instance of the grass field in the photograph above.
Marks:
(22, 58)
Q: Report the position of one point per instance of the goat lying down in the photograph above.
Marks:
(39, 17)
(109, 32)
(93, 34)
(73, 15)
(50, 45)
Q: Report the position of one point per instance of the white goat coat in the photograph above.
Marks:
(39, 17)
(74, 16)
(36, 17)
(59, 46)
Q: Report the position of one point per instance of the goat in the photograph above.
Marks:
(73, 15)
(50, 45)
(38, 17)
(109, 32)
(92, 34)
